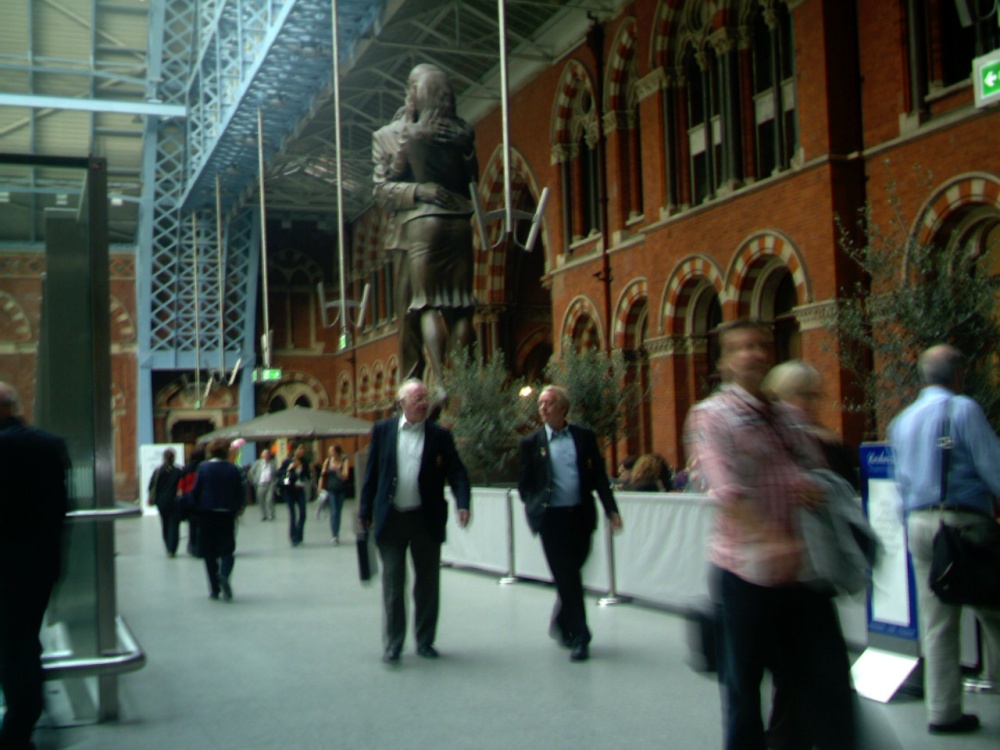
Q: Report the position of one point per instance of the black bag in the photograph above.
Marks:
(965, 566)
(965, 559)
(367, 557)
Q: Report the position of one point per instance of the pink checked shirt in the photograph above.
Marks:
(753, 457)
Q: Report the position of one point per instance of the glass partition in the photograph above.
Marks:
(66, 387)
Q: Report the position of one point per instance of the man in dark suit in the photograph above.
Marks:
(402, 500)
(33, 503)
(561, 468)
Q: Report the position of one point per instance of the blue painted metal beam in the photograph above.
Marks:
(39, 101)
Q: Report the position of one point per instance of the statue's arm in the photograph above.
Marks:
(389, 159)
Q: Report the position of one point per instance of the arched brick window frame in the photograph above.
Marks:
(392, 376)
(692, 308)
(749, 263)
(491, 262)
(962, 190)
(575, 131)
(17, 327)
(625, 331)
(122, 323)
(364, 386)
(293, 386)
(631, 329)
(344, 391)
(581, 324)
(538, 337)
(621, 108)
(689, 279)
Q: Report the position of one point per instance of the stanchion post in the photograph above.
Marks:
(984, 682)
(510, 577)
(611, 598)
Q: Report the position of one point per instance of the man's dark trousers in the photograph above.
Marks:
(22, 608)
(409, 530)
(566, 535)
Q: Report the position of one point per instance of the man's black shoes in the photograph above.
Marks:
(391, 655)
(428, 652)
(580, 652)
(560, 636)
(962, 725)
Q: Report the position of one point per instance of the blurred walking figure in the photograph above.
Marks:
(219, 495)
(333, 481)
(264, 476)
(163, 494)
(33, 503)
(755, 459)
(296, 484)
(800, 385)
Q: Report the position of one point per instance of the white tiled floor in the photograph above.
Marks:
(293, 661)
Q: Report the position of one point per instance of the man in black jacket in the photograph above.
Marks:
(560, 469)
(402, 500)
(163, 494)
(33, 503)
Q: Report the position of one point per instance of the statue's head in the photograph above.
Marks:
(428, 87)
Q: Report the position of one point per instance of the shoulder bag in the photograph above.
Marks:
(965, 560)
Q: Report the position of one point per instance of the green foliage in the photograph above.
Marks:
(486, 413)
(601, 393)
(913, 296)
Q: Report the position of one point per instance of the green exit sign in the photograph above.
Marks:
(986, 74)
(265, 374)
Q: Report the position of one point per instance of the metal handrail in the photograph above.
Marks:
(129, 658)
(89, 515)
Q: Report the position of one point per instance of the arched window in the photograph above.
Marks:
(575, 150)
(787, 341)
(706, 317)
(704, 133)
(622, 121)
(775, 128)
(585, 335)
(729, 107)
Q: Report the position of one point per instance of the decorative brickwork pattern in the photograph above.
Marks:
(627, 315)
(690, 275)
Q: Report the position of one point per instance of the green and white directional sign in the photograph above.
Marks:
(266, 375)
(986, 75)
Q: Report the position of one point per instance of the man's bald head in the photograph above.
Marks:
(941, 365)
(10, 401)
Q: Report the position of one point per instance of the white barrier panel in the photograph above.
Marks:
(661, 552)
(595, 573)
(483, 543)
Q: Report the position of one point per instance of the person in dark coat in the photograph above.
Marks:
(163, 494)
(33, 503)
(561, 468)
(218, 496)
